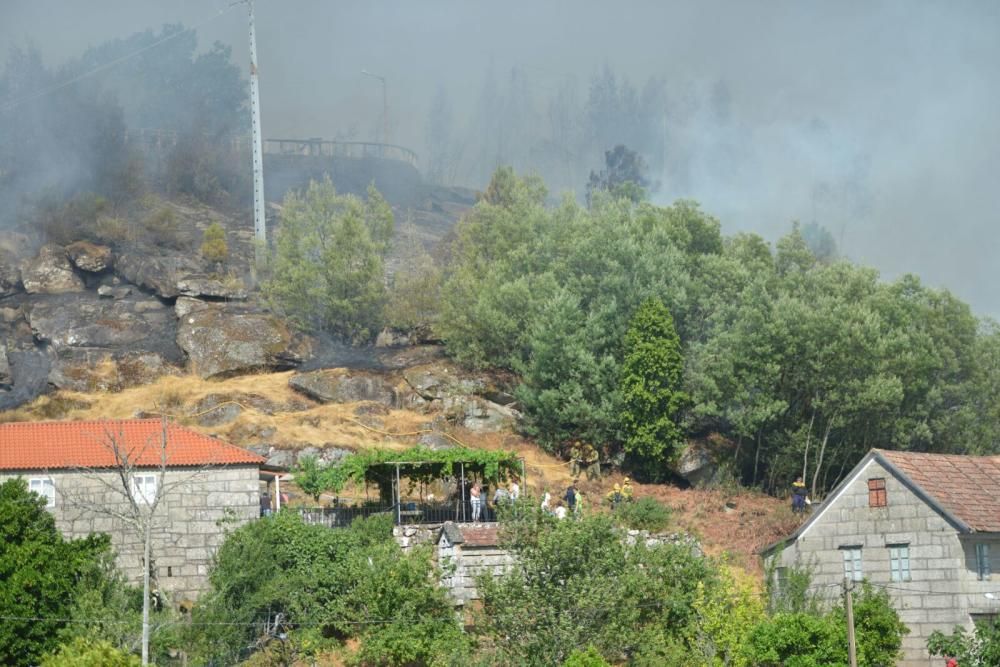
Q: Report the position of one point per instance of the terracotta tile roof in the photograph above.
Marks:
(86, 444)
(966, 486)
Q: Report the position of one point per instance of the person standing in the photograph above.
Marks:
(476, 500)
(515, 490)
(798, 496)
(546, 501)
(560, 511)
(592, 462)
(570, 496)
(615, 497)
(575, 457)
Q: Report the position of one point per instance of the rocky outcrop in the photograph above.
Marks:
(223, 340)
(342, 386)
(437, 382)
(478, 414)
(10, 276)
(50, 273)
(203, 286)
(172, 275)
(96, 343)
(90, 257)
(698, 462)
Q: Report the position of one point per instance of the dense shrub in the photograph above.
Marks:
(643, 514)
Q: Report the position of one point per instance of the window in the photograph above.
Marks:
(876, 492)
(144, 488)
(899, 562)
(983, 561)
(780, 580)
(44, 486)
(852, 563)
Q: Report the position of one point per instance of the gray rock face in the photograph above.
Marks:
(223, 340)
(696, 464)
(97, 343)
(158, 272)
(90, 257)
(340, 386)
(10, 276)
(478, 414)
(50, 273)
(435, 382)
(212, 287)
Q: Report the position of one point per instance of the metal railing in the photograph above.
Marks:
(348, 149)
(409, 513)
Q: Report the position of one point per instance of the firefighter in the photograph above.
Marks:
(627, 490)
(614, 497)
(592, 461)
(575, 456)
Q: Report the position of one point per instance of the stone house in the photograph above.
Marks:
(464, 552)
(925, 527)
(202, 487)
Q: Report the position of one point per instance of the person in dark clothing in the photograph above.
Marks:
(798, 496)
(265, 504)
(570, 497)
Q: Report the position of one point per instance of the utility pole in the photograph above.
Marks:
(259, 222)
(852, 647)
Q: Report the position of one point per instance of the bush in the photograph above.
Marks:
(588, 658)
(162, 229)
(213, 243)
(83, 652)
(644, 514)
(65, 221)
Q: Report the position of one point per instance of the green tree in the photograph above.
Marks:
(979, 648)
(651, 386)
(327, 269)
(623, 176)
(578, 583)
(39, 573)
(213, 243)
(82, 652)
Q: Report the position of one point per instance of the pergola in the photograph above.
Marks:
(394, 471)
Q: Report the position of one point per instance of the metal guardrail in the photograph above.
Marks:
(409, 513)
(348, 149)
(152, 139)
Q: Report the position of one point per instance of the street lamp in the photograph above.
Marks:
(385, 106)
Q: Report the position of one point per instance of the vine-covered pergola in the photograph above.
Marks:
(386, 468)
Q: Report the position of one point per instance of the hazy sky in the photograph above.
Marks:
(879, 120)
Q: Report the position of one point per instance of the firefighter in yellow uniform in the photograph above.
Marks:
(615, 497)
(627, 490)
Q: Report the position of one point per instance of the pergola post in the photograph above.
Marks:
(524, 474)
(461, 492)
(398, 508)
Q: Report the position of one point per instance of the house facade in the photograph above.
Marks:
(924, 527)
(97, 475)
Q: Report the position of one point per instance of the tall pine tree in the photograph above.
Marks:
(650, 385)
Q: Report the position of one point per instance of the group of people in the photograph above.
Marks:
(584, 458)
(571, 502)
(502, 495)
(620, 493)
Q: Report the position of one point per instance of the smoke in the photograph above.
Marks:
(876, 120)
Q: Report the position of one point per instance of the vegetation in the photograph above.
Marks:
(651, 386)
(370, 465)
(643, 514)
(326, 586)
(624, 176)
(39, 574)
(213, 243)
(81, 652)
(327, 268)
(979, 648)
(801, 363)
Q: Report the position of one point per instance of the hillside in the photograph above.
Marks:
(264, 413)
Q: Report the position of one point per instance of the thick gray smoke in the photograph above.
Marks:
(874, 120)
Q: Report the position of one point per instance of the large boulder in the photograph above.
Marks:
(478, 414)
(223, 340)
(338, 385)
(102, 344)
(50, 273)
(698, 462)
(89, 257)
(172, 274)
(439, 381)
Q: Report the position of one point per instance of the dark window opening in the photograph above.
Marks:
(876, 493)
(170, 571)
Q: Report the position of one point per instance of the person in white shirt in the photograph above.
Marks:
(515, 490)
(476, 500)
(546, 500)
(560, 510)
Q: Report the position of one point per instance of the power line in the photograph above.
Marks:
(108, 65)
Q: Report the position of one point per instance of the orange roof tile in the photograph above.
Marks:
(88, 444)
(966, 486)
(480, 536)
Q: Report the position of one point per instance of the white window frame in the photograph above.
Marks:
(852, 562)
(144, 488)
(44, 487)
(899, 562)
(983, 571)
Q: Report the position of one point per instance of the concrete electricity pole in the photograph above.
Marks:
(259, 222)
(852, 646)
